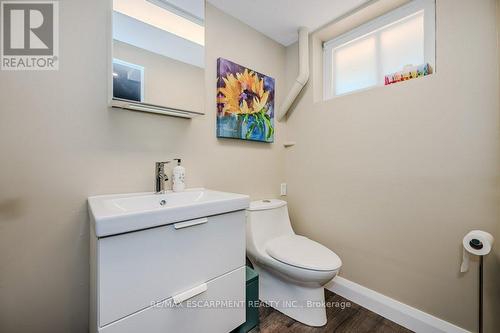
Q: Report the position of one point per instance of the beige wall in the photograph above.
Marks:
(392, 178)
(60, 143)
(167, 82)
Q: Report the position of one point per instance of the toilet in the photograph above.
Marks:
(293, 269)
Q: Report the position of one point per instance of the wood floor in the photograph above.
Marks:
(353, 319)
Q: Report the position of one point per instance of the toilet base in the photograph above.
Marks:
(304, 303)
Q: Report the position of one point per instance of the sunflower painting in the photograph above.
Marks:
(245, 103)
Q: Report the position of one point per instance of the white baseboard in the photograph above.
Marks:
(400, 313)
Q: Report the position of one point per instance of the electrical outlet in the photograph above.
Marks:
(283, 189)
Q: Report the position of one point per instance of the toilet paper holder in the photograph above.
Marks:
(477, 242)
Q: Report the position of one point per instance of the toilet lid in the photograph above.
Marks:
(302, 252)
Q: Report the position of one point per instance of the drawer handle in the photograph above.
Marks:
(191, 223)
(179, 298)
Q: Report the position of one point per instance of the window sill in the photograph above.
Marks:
(379, 86)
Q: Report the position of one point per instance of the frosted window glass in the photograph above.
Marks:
(402, 44)
(355, 65)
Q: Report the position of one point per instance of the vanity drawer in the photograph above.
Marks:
(225, 297)
(142, 267)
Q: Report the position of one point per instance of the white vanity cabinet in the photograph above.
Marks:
(186, 276)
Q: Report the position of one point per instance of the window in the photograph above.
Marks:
(128, 81)
(362, 58)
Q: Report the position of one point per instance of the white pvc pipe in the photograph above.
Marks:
(303, 76)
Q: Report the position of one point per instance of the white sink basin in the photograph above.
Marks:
(120, 213)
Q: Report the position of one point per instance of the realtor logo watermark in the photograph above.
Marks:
(29, 35)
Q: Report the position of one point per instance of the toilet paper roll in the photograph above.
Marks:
(476, 242)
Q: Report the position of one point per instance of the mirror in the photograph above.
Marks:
(158, 56)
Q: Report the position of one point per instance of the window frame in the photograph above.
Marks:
(371, 27)
(131, 65)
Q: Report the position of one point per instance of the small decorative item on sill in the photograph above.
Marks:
(408, 73)
(245, 103)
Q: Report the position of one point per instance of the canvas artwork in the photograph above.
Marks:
(245, 103)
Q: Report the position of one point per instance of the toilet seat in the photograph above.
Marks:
(303, 252)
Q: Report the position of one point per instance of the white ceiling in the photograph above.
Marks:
(280, 19)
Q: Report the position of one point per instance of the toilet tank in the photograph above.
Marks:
(266, 220)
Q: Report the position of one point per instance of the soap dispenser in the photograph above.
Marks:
(178, 177)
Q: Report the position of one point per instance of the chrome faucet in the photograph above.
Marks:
(160, 178)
